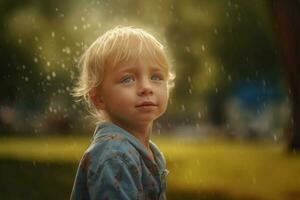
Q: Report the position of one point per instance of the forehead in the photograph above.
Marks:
(139, 63)
(134, 59)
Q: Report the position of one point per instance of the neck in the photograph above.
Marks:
(141, 132)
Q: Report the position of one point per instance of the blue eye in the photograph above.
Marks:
(127, 80)
(157, 77)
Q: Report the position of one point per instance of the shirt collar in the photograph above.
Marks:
(108, 128)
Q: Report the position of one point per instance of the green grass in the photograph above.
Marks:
(44, 168)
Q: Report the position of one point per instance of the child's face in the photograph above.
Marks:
(134, 92)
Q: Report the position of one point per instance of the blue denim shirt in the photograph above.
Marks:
(117, 166)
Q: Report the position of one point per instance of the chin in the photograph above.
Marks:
(146, 120)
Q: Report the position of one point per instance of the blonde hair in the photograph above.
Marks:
(115, 46)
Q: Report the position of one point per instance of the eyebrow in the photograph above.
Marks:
(123, 68)
(131, 68)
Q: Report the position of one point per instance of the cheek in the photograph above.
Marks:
(163, 95)
(123, 96)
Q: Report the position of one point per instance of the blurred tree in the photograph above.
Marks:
(220, 46)
(28, 90)
(287, 19)
(217, 47)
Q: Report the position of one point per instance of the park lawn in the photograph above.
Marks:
(199, 169)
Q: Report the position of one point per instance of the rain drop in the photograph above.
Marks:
(187, 49)
(229, 77)
(182, 107)
(66, 50)
(215, 31)
(202, 47)
(199, 115)
(227, 14)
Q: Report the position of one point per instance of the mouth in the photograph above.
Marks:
(146, 104)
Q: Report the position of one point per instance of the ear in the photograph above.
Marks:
(97, 100)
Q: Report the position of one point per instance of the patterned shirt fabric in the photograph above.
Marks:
(116, 166)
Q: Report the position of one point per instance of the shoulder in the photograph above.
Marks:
(107, 148)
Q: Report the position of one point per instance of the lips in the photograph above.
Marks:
(146, 104)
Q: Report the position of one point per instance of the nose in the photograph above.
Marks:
(145, 88)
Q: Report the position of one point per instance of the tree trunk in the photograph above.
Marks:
(287, 19)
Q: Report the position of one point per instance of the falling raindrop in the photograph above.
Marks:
(187, 49)
(216, 31)
(199, 115)
(229, 77)
(202, 47)
(66, 50)
(227, 14)
(227, 125)
(182, 107)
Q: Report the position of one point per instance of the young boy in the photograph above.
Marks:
(125, 79)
